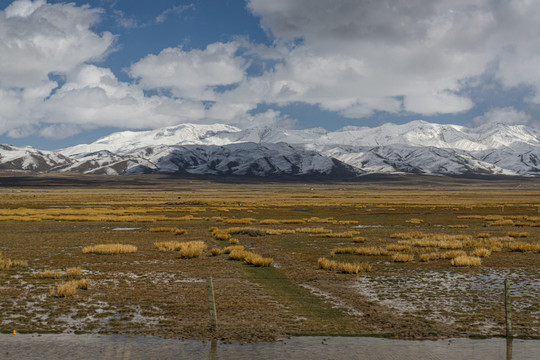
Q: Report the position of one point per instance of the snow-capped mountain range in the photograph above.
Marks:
(416, 147)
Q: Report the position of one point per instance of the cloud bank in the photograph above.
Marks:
(352, 57)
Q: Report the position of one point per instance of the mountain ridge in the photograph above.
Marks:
(416, 147)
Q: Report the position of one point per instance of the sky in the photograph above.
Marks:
(72, 72)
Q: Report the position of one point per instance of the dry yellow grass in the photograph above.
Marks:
(229, 249)
(483, 235)
(280, 231)
(397, 247)
(233, 241)
(69, 288)
(430, 256)
(518, 234)
(359, 239)
(345, 234)
(257, 260)
(369, 251)
(326, 264)
(49, 274)
(481, 252)
(73, 272)
(308, 230)
(162, 229)
(187, 249)
(109, 249)
(415, 221)
(465, 260)
(521, 246)
(216, 251)
(402, 257)
(239, 221)
(458, 226)
(349, 268)
(506, 222)
(453, 254)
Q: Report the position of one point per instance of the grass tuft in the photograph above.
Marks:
(109, 249)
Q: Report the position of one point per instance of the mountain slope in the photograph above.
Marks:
(416, 147)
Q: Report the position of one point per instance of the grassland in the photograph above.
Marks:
(397, 257)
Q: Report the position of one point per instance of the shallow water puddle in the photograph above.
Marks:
(56, 346)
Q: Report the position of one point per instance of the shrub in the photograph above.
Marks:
(109, 249)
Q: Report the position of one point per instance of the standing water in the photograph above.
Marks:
(68, 346)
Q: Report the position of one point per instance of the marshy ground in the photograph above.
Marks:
(396, 242)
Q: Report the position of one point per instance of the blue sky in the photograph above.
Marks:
(71, 72)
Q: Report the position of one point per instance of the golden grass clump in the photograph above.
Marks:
(483, 235)
(216, 251)
(69, 288)
(229, 249)
(466, 260)
(163, 229)
(453, 254)
(397, 247)
(345, 234)
(233, 241)
(521, 246)
(369, 251)
(180, 231)
(409, 235)
(343, 267)
(308, 230)
(109, 249)
(518, 234)
(221, 235)
(257, 260)
(49, 274)
(269, 222)
(402, 257)
(64, 290)
(430, 256)
(326, 264)
(481, 252)
(280, 231)
(458, 226)
(250, 258)
(74, 272)
(504, 222)
(239, 221)
(187, 249)
(415, 221)
(5, 264)
(359, 239)
(168, 245)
